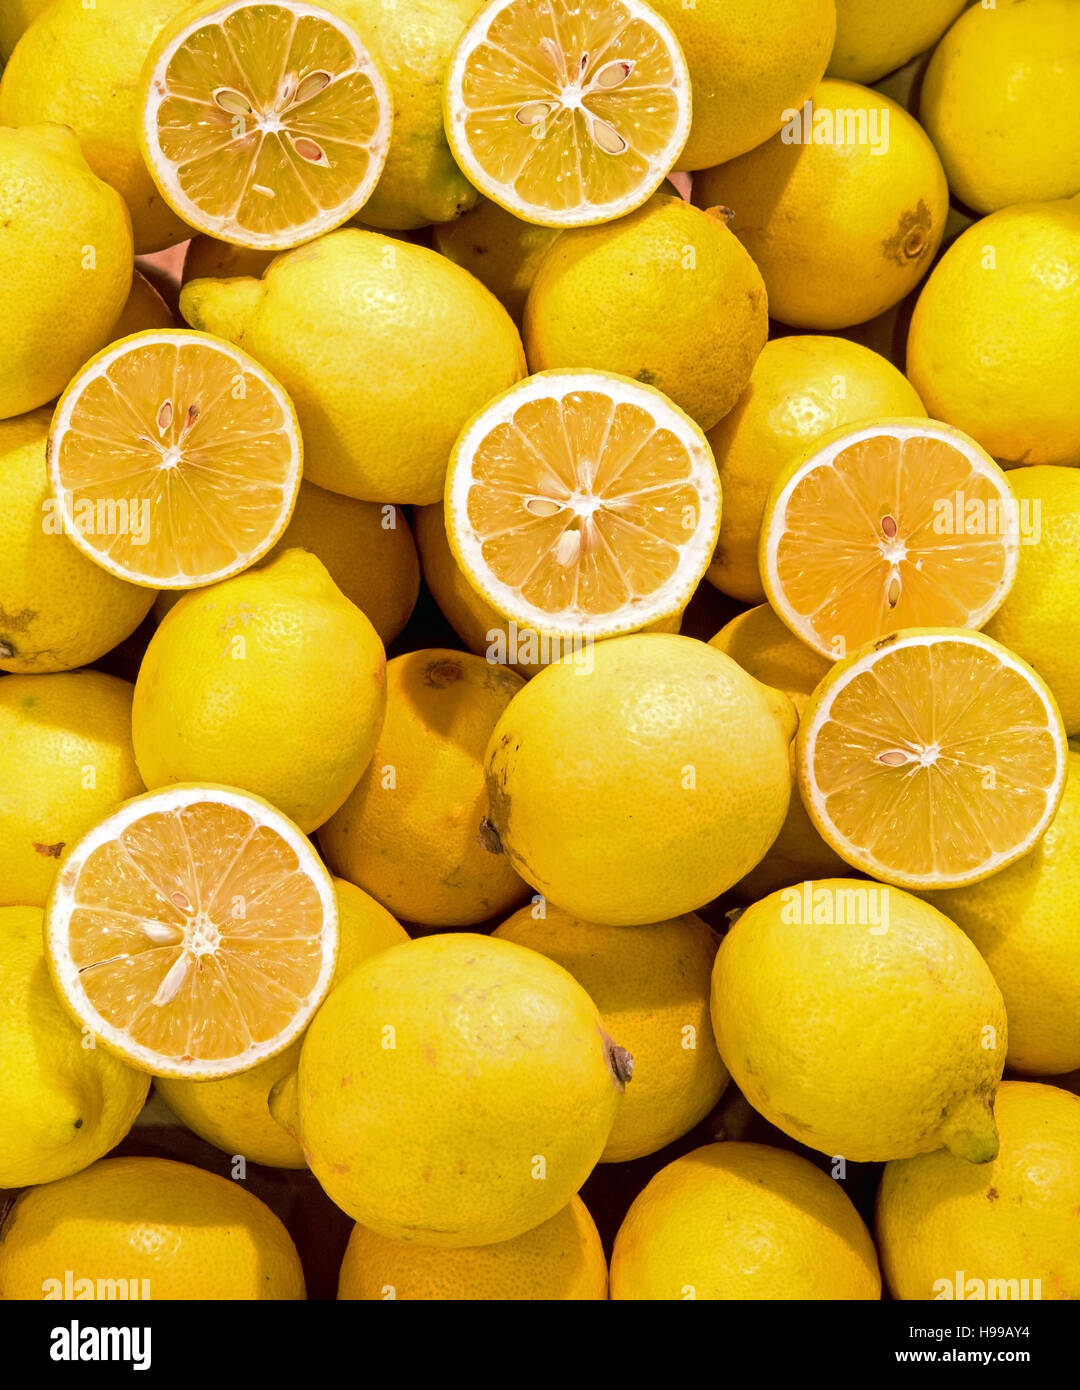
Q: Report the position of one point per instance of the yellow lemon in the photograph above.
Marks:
(414, 831)
(996, 334)
(63, 1104)
(843, 211)
(1005, 1230)
(457, 1090)
(641, 778)
(861, 1021)
(15, 19)
(559, 1260)
(873, 39)
(166, 1229)
(145, 310)
(743, 1221)
(651, 985)
(503, 252)
(233, 688)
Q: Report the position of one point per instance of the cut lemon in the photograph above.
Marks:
(264, 122)
(567, 112)
(932, 758)
(194, 931)
(583, 503)
(899, 523)
(175, 459)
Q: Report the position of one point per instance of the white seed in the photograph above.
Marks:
(312, 84)
(613, 74)
(542, 506)
(568, 548)
(533, 112)
(606, 136)
(234, 102)
(174, 981)
(162, 933)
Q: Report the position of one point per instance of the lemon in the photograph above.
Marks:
(169, 1230)
(559, 1260)
(145, 310)
(1038, 619)
(64, 1103)
(861, 1021)
(749, 63)
(1026, 923)
(233, 1112)
(65, 750)
(651, 985)
(641, 778)
(1006, 1230)
(15, 19)
(996, 334)
(457, 1090)
(58, 609)
(78, 65)
(873, 39)
(65, 263)
(503, 252)
(999, 102)
(386, 349)
(601, 293)
(233, 688)
(743, 1221)
(413, 832)
(844, 220)
(800, 389)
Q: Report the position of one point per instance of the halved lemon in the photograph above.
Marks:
(932, 758)
(264, 122)
(896, 523)
(175, 459)
(194, 931)
(567, 112)
(583, 503)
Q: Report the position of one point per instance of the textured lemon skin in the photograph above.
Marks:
(861, 1044)
(67, 760)
(144, 310)
(743, 1221)
(995, 335)
(644, 784)
(65, 264)
(999, 102)
(503, 252)
(560, 1260)
(603, 293)
(411, 832)
(1014, 1218)
(455, 1091)
(386, 349)
(233, 689)
(233, 1113)
(874, 39)
(651, 985)
(58, 610)
(79, 66)
(191, 1234)
(64, 1105)
(749, 61)
(1038, 619)
(800, 388)
(839, 233)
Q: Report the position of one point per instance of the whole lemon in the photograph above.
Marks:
(78, 65)
(413, 832)
(861, 1021)
(145, 309)
(15, 18)
(66, 762)
(749, 62)
(386, 349)
(665, 295)
(651, 985)
(168, 1230)
(63, 1104)
(560, 1260)
(995, 336)
(641, 781)
(999, 102)
(1004, 1230)
(233, 1113)
(271, 681)
(873, 39)
(743, 1221)
(58, 609)
(846, 218)
(457, 1090)
(65, 263)
(503, 252)
(800, 388)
